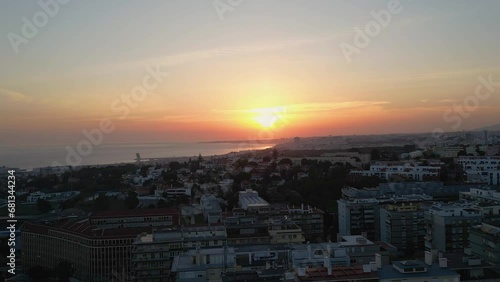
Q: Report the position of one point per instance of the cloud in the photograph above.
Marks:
(193, 56)
(309, 107)
(13, 96)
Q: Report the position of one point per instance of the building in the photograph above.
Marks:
(153, 253)
(409, 171)
(358, 216)
(481, 169)
(485, 242)
(173, 192)
(417, 271)
(51, 197)
(245, 228)
(309, 219)
(435, 189)
(283, 231)
(361, 250)
(210, 208)
(448, 226)
(95, 253)
(203, 264)
(135, 218)
(363, 215)
(403, 226)
(340, 274)
(250, 200)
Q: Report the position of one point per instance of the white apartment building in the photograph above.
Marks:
(481, 169)
(409, 171)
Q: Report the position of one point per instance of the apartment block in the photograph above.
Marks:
(403, 226)
(448, 226)
(152, 253)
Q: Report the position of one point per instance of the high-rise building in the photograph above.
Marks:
(448, 226)
(485, 242)
(403, 226)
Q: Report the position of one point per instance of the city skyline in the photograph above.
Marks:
(230, 72)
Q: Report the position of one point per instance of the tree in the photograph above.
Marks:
(162, 204)
(174, 165)
(275, 154)
(131, 201)
(63, 271)
(39, 273)
(102, 202)
(375, 155)
(43, 205)
(285, 161)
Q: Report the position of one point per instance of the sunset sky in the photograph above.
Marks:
(263, 64)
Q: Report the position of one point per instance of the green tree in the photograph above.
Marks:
(275, 154)
(102, 202)
(39, 273)
(43, 205)
(63, 271)
(174, 165)
(131, 201)
(162, 204)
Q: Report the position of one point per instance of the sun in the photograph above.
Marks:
(267, 117)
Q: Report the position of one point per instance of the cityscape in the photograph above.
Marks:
(237, 140)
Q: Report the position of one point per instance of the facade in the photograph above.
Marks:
(282, 231)
(485, 242)
(358, 216)
(412, 171)
(418, 271)
(250, 200)
(152, 253)
(403, 226)
(245, 228)
(203, 264)
(309, 219)
(96, 254)
(210, 208)
(481, 169)
(136, 218)
(51, 197)
(363, 215)
(448, 226)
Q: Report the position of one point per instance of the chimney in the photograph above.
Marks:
(378, 260)
(443, 262)
(367, 268)
(428, 258)
(373, 265)
(327, 264)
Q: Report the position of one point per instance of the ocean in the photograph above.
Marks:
(29, 157)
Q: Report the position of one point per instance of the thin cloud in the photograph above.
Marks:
(193, 56)
(14, 96)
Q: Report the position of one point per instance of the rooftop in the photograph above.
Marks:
(135, 213)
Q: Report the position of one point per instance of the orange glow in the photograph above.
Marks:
(267, 117)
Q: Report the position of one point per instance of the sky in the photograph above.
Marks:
(241, 69)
